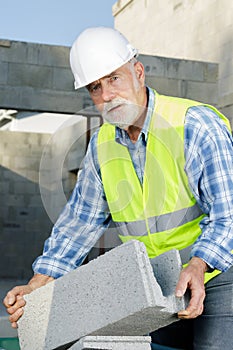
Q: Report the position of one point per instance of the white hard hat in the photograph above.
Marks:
(97, 52)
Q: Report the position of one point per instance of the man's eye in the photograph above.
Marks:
(114, 77)
(94, 88)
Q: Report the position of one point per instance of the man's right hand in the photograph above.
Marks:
(14, 301)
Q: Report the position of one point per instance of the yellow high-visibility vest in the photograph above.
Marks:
(162, 212)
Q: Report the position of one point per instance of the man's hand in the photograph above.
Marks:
(192, 278)
(14, 301)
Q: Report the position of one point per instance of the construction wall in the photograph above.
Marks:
(185, 29)
(35, 183)
(24, 222)
(38, 77)
(182, 78)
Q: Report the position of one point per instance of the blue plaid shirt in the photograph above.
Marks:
(209, 167)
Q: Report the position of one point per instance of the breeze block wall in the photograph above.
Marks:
(24, 223)
(36, 180)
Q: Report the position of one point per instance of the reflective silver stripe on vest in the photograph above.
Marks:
(159, 223)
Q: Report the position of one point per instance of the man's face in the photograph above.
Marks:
(120, 96)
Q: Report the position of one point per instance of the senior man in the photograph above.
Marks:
(161, 169)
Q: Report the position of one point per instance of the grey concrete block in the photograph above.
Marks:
(31, 98)
(30, 75)
(115, 294)
(112, 343)
(16, 52)
(164, 85)
(55, 56)
(63, 79)
(42, 54)
(4, 187)
(205, 92)
(154, 66)
(33, 53)
(3, 72)
(183, 69)
(211, 72)
(6, 331)
(15, 200)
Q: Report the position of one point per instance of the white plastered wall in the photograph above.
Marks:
(190, 29)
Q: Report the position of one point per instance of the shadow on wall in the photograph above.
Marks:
(24, 224)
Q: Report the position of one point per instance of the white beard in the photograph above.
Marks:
(121, 112)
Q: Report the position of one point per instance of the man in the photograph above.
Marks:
(161, 168)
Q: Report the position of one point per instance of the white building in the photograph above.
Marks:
(185, 29)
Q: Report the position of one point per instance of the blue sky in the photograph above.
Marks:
(55, 22)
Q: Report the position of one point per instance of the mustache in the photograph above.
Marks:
(108, 106)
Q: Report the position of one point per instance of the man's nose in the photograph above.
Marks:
(108, 93)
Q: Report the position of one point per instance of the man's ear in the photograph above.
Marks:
(140, 72)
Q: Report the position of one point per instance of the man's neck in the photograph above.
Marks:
(134, 130)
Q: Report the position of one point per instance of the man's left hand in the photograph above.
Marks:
(192, 278)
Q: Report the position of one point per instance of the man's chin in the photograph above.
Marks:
(119, 125)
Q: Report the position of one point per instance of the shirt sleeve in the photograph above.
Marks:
(81, 223)
(209, 167)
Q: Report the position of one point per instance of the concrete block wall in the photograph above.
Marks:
(182, 78)
(35, 182)
(23, 220)
(38, 77)
(166, 28)
(113, 295)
